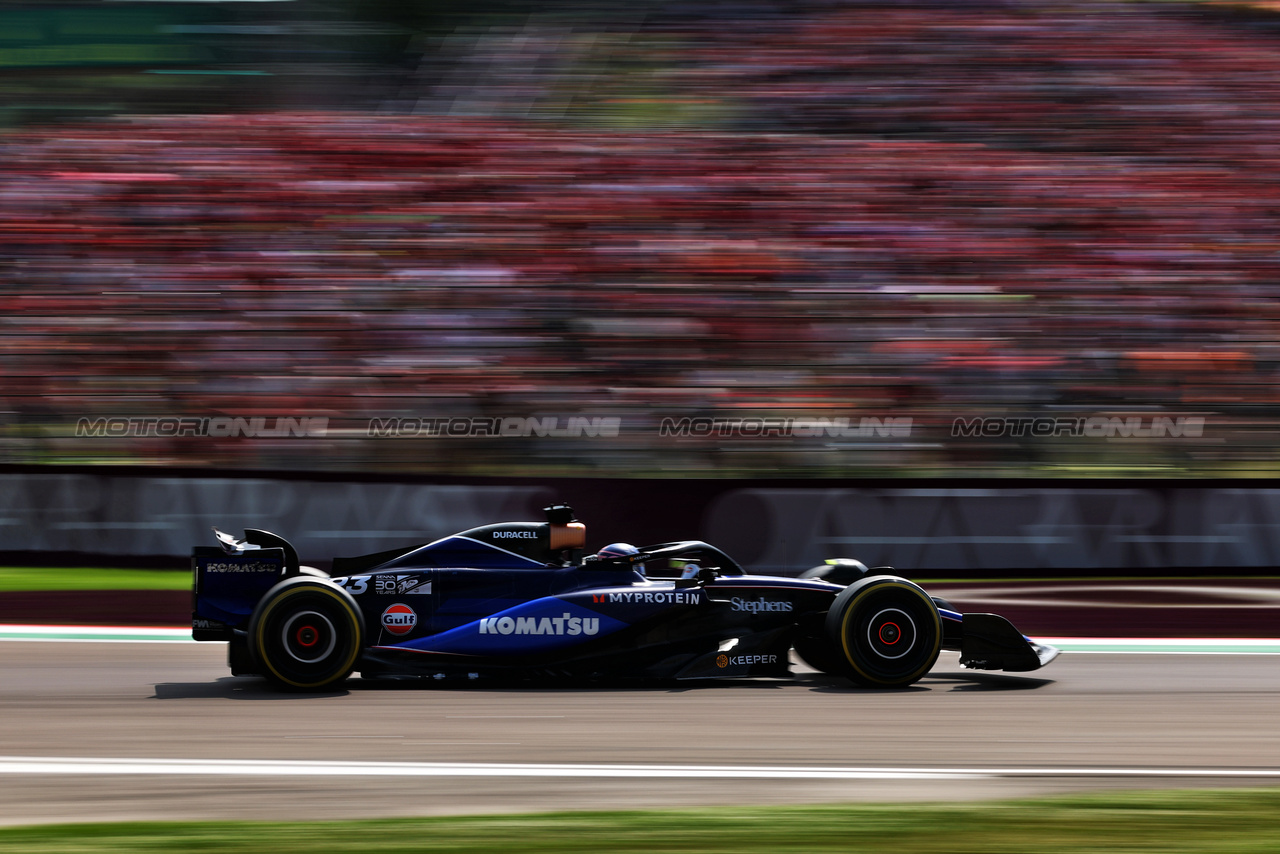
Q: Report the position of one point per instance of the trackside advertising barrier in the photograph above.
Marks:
(768, 526)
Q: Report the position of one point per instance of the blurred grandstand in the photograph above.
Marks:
(899, 214)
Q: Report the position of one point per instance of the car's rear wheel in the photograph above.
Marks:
(306, 634)
(885, 632)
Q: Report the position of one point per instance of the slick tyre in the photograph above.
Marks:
(885, 632)
(306, 634)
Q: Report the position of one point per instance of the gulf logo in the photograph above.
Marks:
(399, 619)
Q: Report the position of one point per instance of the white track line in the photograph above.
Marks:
(31, 765)
(286, 768)
(95, 634)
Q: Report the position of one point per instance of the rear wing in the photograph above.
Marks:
(229, 580)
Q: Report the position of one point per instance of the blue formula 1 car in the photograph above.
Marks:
(518, 600)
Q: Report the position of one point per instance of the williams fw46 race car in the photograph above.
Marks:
(517, 600)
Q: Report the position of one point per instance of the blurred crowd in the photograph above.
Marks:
(924, 212)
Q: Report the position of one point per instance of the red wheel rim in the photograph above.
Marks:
(889, 633)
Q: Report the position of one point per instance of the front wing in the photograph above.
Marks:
(991, 642)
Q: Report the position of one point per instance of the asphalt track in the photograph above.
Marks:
(146, 730)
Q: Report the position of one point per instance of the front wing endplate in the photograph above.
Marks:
(992, 643)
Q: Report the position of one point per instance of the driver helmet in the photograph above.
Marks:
(618, 550)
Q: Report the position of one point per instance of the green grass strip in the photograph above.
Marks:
(1172, 822)
(1171, 646)
(14, 579)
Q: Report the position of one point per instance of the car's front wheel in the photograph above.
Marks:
(884, 631)
(306, 634)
